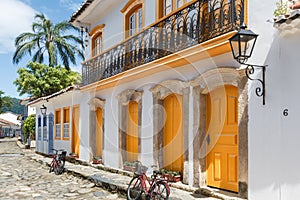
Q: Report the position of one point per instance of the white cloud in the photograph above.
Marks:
(70, 4)
(15, 18)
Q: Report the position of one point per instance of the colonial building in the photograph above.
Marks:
(160, 85)
(58, 126)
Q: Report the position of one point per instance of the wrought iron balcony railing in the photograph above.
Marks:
(197, 22)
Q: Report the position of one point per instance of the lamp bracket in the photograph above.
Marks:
(260, 91)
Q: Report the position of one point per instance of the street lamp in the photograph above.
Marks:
(43, 109)
(242, 45)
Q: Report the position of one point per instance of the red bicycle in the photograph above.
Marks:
(58, 161)
(154, 187)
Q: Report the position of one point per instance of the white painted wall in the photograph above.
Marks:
(31, 110)
(150, 12)
(65, 100)
(111, 138)
(274, 138)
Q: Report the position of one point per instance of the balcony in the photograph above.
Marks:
(197, 22)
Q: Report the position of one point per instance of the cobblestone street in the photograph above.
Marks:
(22, 178)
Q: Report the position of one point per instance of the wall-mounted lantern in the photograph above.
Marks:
(43, 109)
(242, 45)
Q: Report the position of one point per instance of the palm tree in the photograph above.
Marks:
(49, 39)
(4, 101)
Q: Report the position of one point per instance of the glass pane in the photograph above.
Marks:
(180, 3)
(140, 19)
(168, 7)
(132, 24)
(98, 45)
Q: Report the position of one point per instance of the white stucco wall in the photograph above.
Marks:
(274, 138)
(111, 132)
(68, 99)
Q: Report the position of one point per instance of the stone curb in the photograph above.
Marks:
(115, 186)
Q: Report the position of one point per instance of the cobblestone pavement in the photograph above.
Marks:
(22, 178)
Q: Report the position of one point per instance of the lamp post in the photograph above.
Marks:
(242, 45)
(43, 109)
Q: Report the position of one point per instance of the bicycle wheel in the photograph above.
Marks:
(134, 190)
(159, 191)
(59, 167)
(51, 168)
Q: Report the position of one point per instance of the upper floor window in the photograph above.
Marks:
(134, 19)
(97, 40)
(165, 7)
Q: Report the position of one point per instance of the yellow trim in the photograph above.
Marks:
(63, 123)
(55, 116)
(160, 8)
(246, 11)
(94, 34)
(127, 10)
(97, 29)
(211, 48)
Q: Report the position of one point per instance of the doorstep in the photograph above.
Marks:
(117, 180)
(206, 191)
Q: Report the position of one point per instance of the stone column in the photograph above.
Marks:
(185, 102)
(196, 135)
(158, 125)
(243, 136)
(92, 130)
(124, 98)
(94, 104)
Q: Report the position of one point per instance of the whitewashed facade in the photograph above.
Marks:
(274, 138)
(267, 140)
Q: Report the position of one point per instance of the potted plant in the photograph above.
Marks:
(282, 8)
(73, 155)
(129, 166)
(171, 176)
(97, 160)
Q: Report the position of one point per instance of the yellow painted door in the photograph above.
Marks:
(222, 138)
(132, 141)
(99, 132)
(173, 133)
(75, 130)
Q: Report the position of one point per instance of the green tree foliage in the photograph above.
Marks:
(16, 107)
(51, 40)
(39, 80)
(4, 101)
(29, 127)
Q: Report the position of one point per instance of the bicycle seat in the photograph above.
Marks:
(156, 172)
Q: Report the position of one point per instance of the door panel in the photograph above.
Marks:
(99, 132)
(75, 130)
(132, 142)
(222, 131)
(173, 133)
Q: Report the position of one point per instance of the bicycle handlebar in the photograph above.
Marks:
(57, 150)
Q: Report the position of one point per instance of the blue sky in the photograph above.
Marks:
(16, 17)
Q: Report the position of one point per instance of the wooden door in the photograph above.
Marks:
(75, 130)
(99, 132)
(132, 136)
(222, 138)
(173, 133)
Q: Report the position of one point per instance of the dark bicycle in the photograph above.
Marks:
(153, 187)
(57, 164)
